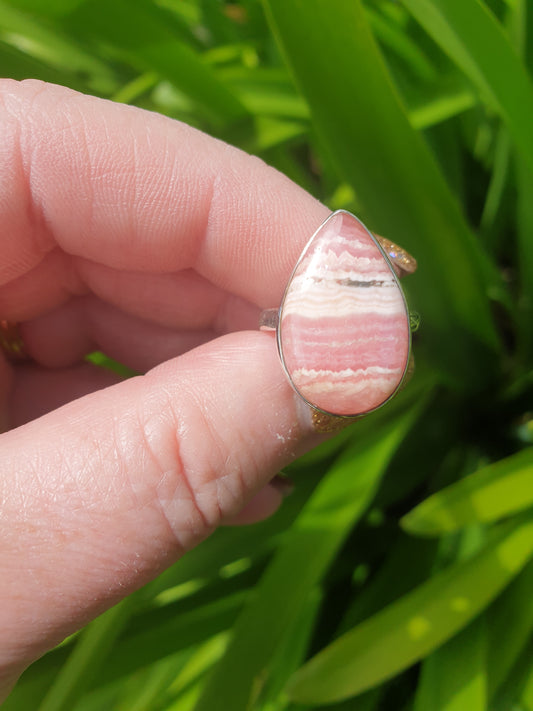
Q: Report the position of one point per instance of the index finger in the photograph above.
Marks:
(137, 191)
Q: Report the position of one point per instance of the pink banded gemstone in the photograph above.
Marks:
(344, 333)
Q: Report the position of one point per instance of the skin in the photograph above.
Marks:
(130, 233)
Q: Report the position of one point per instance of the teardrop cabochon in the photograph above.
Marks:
(343, 337)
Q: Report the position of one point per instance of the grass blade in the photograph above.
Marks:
(140, 33)
(407, 565)
(525, 260)
(489, 494)
(359, 116)
(442, 108)
(523, 28)
(138, 650)
(147, 690)
(87, 657)
(64, 59)
(58, 673)
(454, 678)
(187, 686)
(300, 564)
(418, 623)
(470, 34)
(527, 694)
(515, 694)
(510, 627)
(291, 653)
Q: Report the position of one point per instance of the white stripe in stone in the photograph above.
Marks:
(359, 341)
(352, 382)
(353, 243)
(330, 262)
(324, 303)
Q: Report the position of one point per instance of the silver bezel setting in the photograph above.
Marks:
(280, 314)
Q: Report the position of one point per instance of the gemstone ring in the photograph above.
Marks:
(343, 328)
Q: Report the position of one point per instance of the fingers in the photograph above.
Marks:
(36, 391)
(66, 334)
(102, 494)
(178, 300)
(261, 506)
(52, 282)
(184, 300)
(136, 191)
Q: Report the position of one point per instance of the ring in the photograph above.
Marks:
(12, 343)
(343, 326)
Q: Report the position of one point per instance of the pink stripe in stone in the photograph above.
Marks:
(374, 341)
(344, 327)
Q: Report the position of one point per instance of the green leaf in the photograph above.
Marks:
(527, 694)
(370, 701)
(510, 626)
(454, 678)
(99, 659)
(185, 630)
(406, 566)
(521, 27)
(87, 657)
(392, 35)
(267, 93)
(489, 494)
(47, 7)
(524, 179)
(515, 693)
(230, 544)
(298, 566)
(291, 653)
(146, 690)
(51, 46)
(17, 64)
(357, 112)
(410, 628)
(441, 108)
(499, 179)
(187, 686)
(475, 40)
(141, 34)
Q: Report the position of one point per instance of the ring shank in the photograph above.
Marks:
(269, 320)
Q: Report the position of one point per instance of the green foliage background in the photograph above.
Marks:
(399, 574)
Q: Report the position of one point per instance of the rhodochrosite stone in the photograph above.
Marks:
(344, 327)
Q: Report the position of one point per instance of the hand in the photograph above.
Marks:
(133, 234)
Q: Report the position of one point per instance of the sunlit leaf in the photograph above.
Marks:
(142, 34)
(361, 119)
(527, 694)
(471, 35)
(300, 563)
(441, 108)
(489, 494)
(510, 627)
(54, 48)
(454, 678)
(416, 624)
(86, 659)
(147, 690)
(416, 115)
(515, 694)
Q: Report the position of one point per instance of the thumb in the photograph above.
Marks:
(102, 494)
